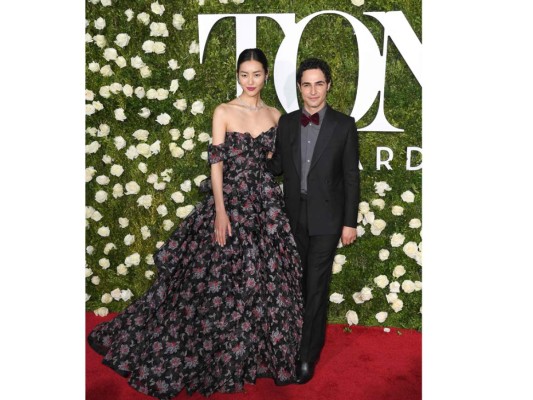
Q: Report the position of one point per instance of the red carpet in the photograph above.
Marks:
(366, 364)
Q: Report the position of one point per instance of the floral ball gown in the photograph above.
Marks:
(217, 317)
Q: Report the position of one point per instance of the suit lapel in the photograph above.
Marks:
(295, 131)
(324, 136)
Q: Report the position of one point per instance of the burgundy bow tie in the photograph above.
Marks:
(304, 119)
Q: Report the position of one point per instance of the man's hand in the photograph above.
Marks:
(348, 236)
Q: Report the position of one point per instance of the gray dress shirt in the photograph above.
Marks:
(308, 137)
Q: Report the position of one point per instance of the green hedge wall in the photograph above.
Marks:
(330, 37)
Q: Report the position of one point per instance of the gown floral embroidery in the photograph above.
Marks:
(217, 317)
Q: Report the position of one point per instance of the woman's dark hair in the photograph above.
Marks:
(255, 55)
(314, 63)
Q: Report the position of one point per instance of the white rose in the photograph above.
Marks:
(159, 47)
(162, 210)
(418, 286)
(199, 179)
(381, 281)
(122, 40)
(96, 216)
(238, 1)
(180, 104)
(105, 3)
(157, 8)
(123, 222)
(122, 270)
(92, 147)
(119, 114)
(110, 54)
(102, 180)
(384, 254)
(391, 297)
(163, 119)
(174, 85)
(167, 224)
(188, 133)
(100, 196)
(204, 137)
(381, 187)
(408, 286)
(89, 211)
(158, 29)
(360, 231)
(178, 21)
(129, 239)
(188, 145)
(106, 159)
(364, 207)
(223, 1)
(197, 107)
(148, 46)
(129, 13)
(184, 211)
(120, 143)
(408, 196)
(152, 178)
(88, 272)
(106, 71)
(410, 249)
(397, 210)
(99, 23)
(100, 41)
(115, 293)
(189, 74)
(141, 134)
(340, 259)
(101, 312)
(336, 298)
(415, 223)
(89, 109)
(144, 18)
(95, 280)
(397, 305)
(203, 156)
(397, 239)
(106, 298)
(94, 66)
(177, 197)
(145, 232)
(379, 203)
(159, 244)
(166, 174)
(103, 130)
(377, 226)
(132, 153)
(194, 48)
(133, 259)
(357, 298)
(108, 247)
(394, 287)
(137, 62)
(155, 147)
(162, 94)
(97, 105)
(201, 2)
(132, 187)
(145, 112)
(369, 218)
(121, 62)
(127, 90)
(352, 318)
(173, 65)
(104, 263)
(358, 3)
(160, 185)
(116, 170)
(382, 316)
(125, 295)
(89, 95)
(398, 271)
(186, 186)
(151, 94)
(142, 167)
(89, 173)
(149, 274)
(145, 201)
(149, 259)
(336, 268)
(366, 293)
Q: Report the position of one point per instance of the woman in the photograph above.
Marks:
(226, 307)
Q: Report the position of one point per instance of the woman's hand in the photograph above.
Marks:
(222, 227)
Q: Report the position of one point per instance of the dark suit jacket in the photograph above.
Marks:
(333, 179)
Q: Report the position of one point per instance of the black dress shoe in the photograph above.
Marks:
(304, 372)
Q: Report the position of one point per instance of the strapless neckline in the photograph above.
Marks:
(252, 136)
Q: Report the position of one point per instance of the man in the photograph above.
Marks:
(317, 152)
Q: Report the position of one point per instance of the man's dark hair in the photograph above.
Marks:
(314, 63)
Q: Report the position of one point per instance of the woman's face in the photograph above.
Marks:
(251, 77)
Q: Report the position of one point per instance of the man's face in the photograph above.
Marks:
(314, 89)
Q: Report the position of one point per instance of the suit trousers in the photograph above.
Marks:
(317, 253)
